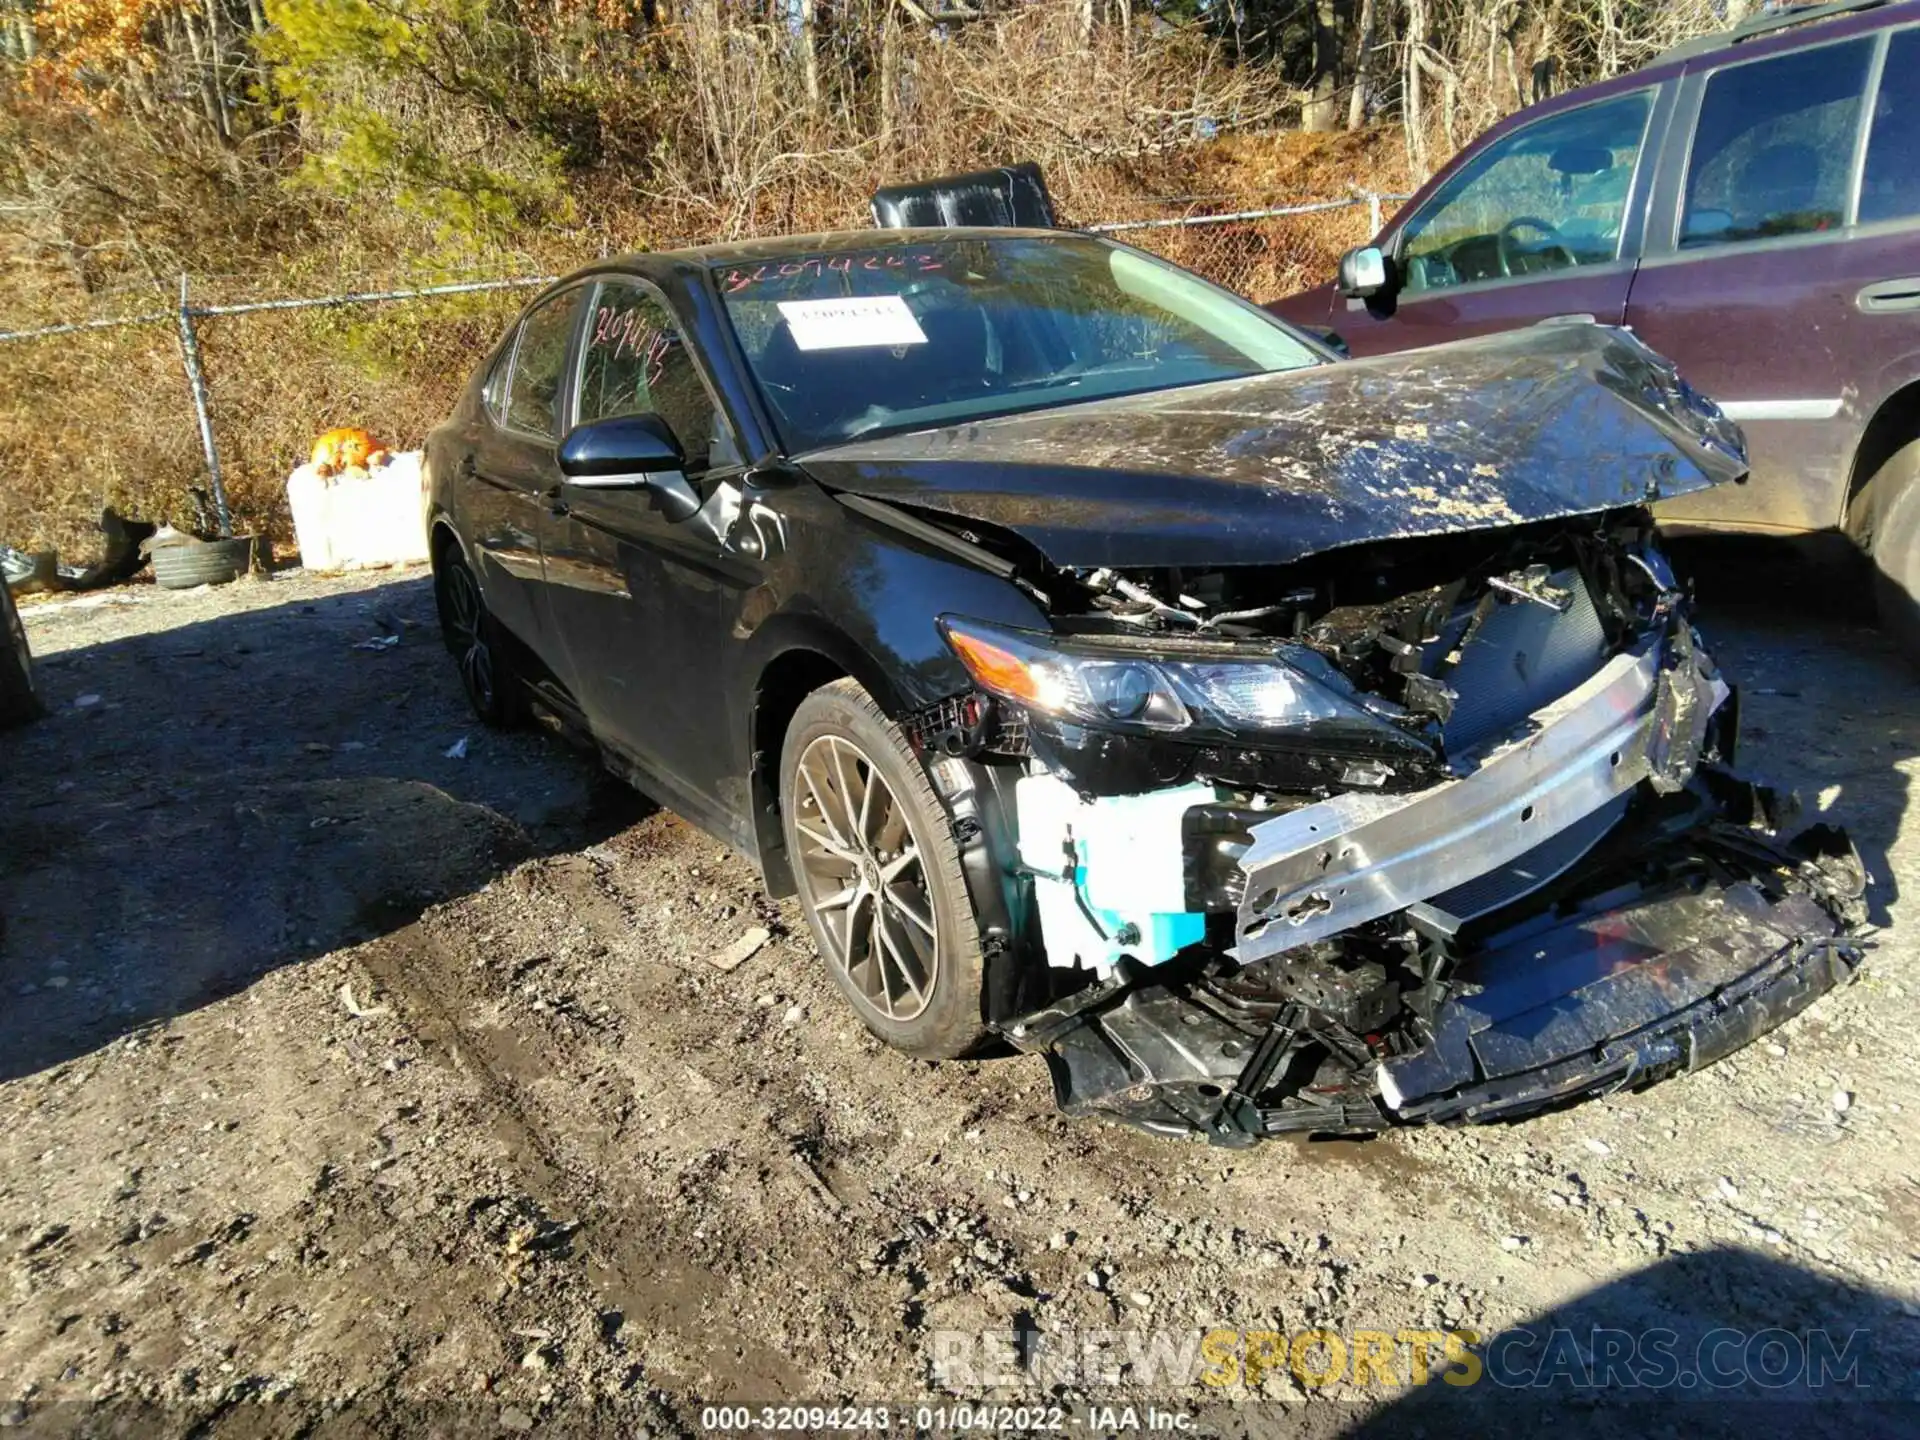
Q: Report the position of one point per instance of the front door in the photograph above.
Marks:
(1774, 288)
(1536, 226)
(641, 601)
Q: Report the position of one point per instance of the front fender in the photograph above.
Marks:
(870, 600)
(855, 602)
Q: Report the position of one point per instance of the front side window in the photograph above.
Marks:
(915, 334)
(1551, 196)
(1890, 189)
(1773, 150)
(539, 362)
(634, 361)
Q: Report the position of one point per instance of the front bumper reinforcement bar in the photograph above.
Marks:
(1325, 868)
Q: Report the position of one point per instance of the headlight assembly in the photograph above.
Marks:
(1191, 693)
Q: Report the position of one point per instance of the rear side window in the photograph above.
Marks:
(1548, 197)
(539, 361)
(494, 392)
(1891, 187)
(1773, 150)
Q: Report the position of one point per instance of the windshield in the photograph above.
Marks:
(914, 334)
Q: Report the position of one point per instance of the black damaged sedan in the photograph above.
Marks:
(1273, 742)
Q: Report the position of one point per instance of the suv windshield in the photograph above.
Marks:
(903, 336)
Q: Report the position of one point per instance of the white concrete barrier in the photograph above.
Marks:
(360, 518)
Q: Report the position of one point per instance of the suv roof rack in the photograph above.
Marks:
(1774, 17)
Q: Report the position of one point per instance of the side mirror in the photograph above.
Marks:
(1363, 273)
(624, 449)
(630, 452)
(1330, 338)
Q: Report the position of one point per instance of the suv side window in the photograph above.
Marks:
(1550, 196)
(539, 362)
(634, 361)
(1890, 188)
(1773, 149)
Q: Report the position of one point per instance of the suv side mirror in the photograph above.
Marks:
(1362, 273)
(1330, 338)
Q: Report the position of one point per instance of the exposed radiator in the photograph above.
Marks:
(1524, 657)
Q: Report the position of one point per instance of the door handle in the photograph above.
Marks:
(555, 505)
(467, 468)
(1886, 297)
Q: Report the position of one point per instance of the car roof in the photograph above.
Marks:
(830, 242)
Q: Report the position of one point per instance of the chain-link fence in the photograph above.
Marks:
(98, 413)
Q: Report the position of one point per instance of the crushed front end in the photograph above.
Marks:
(1439, 829)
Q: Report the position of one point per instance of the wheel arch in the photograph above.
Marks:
(442, 537)
(1894, 425)
(808, 657)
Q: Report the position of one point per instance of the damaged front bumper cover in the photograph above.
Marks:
(1642, 1016)
(1622, 994)
(1673, 929)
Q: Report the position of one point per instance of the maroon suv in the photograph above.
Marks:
(1750, 205)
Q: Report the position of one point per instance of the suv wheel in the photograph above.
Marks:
(1895, 546)
(879, 875)
(19, 701)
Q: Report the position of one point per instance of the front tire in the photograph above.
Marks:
(478, 645)
(879, 875)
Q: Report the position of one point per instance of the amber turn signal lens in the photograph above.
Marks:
(999, 671)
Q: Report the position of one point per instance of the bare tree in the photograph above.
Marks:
(1329, 45)
(809, 53)
(1358, 100)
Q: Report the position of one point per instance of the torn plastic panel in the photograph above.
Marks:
(1109, 875)
(1680, 939)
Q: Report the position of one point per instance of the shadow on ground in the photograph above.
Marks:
(208, 802)
(1828, 705)
(1719, 1342)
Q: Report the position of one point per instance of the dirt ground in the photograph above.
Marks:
(361, 1069)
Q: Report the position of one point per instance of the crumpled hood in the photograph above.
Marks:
(1537, 424)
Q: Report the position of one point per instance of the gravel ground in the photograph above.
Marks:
(363, 1069)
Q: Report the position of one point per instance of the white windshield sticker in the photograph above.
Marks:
(852, 323)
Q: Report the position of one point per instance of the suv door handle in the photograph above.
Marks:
(467, 469)
(1887, 297)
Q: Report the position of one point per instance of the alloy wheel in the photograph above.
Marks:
(467, 632)
(863, 879)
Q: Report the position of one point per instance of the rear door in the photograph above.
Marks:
(1766, 255)
(509, 468)
(1539, 224)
